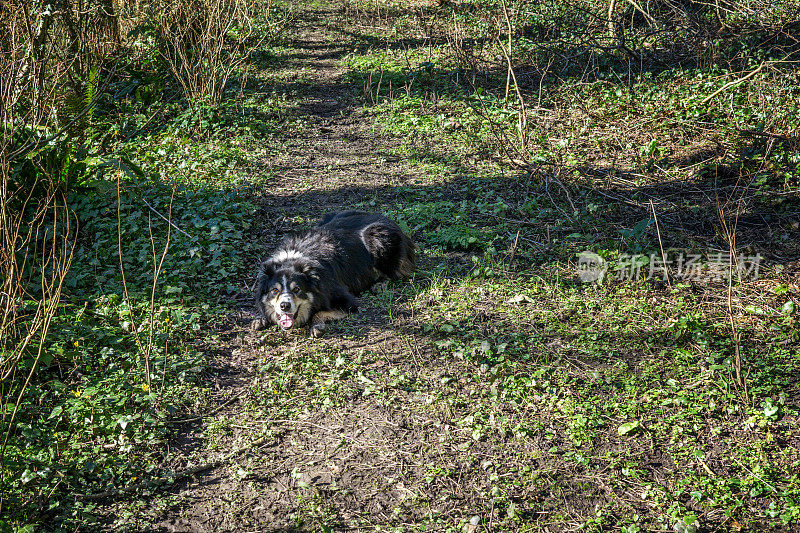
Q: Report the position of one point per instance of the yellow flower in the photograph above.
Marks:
(76, 344)
(76, 392)
(145, 387)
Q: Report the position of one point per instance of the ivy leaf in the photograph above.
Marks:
(124, 421)
(629, 428)
(771, 410)
(27, 476)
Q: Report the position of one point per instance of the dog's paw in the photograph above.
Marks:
(317, 330)
(258, 324)
(379, 286)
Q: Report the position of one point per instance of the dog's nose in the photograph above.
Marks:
(285, 306)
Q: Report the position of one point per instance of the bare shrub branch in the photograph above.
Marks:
(204, 42)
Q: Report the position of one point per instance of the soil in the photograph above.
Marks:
(362, 459)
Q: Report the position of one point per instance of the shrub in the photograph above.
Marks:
(203, 42)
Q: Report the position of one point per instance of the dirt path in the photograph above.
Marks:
(338, 458)
(337, 147)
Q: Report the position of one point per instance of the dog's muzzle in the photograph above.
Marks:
(287, 310)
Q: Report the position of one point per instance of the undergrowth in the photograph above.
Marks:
(586, 345)
(158, 219)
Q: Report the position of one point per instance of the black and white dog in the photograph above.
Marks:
(316, 276)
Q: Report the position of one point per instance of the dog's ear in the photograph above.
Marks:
(266, 271)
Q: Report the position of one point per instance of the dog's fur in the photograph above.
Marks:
(316, 276)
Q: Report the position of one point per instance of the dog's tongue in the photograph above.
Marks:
(286, 320)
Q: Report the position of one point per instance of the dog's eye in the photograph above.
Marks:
(274, 290)
(296, 290)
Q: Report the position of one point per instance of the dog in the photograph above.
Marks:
(316, 276)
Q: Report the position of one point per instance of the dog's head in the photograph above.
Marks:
(285, 291)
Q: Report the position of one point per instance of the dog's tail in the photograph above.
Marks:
(408, 258)
(392, 250)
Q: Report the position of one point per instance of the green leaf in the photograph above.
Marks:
(124, 421)
(512, 510)
(27, 476)
(520, 298)
(629, 428)
(771, 410)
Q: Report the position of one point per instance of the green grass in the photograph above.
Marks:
(601, 380)
(618, 372)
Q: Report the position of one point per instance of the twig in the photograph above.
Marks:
(134, 328)
(621, 199)
(706, 468)
(524, 223)
(502, 139)
(171, 223)
(730, 237)
(754, 474)
(660, 244)
(522, 114)
(47, 307)
(555, 204)
(566, 192)
(157, 267)
(612, 30)
(510, 72)
(513, 249)
(732, 83)
(650, 20)
(767, 134)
